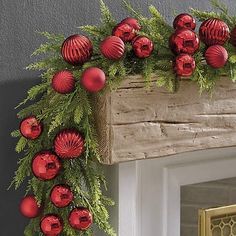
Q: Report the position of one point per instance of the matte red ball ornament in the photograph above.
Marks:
(69, 144)
(214, 32)
(76, 49)
(30, 127)
(124, 31)
(80, 218)
(51, 225)
(93, 79)
(216, 56)
(133, 22)
(112, 48)
(29, 207)
(61, 196)
(142, 46)
(233, 37)
(184, 65)
(184, 41)
(63, 82)
(45, 165)
(184, 21)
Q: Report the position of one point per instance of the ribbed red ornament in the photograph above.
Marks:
(184, 21)
(184, 65)
(124, 31)
(214, 32)
(184, 41)
(29, 207)
(76, 49)
(51, 225)
(216, 56)
(80, 218)
(233, 37)
(63, 82)
(133, 22)
(112, 48)
(142, 46)
(69, 144)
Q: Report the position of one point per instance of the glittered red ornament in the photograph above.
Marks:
(51, 225)
(46, 165)
(29, 207)
(184, 65)
(214, 32)
(184, 41)
(233, 37)
(216, 56)
(112, 48)
(124, 31)
(93, 79)
(63, 82)
(30, 127)
(69, 144)
(142, 46)
(61, 196)
(184, 21)
(133, 22)
(76, 49)
(80, 218)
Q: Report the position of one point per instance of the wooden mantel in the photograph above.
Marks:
(139, 123)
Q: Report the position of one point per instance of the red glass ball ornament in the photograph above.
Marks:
(133, 22)
(214, 32)
(112, 48)
(29, 207)
(184, 21)
(184, 65)
(216, 56)
(80, 218)
(124, 31)
(69, 144)
(61, 196)
(30, 127)
(77, 49)
(51, 225)
(142, 46)
(46, 165)
(233, 37)
(184, 41)
(93, 79)
(63, 82)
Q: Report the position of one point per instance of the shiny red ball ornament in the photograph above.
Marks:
(142, 46)
(76, 49)
(216, 56)
(29, 207)
(61, 196)
(45, 165)
(133, 22)
(112, 48)
(30, 127)
(124, 31)
(184, 65)
(80, 218)
(184, 41)
(69, 144)
(51, 225)
(214, 32)
(63, 82)
(184, 21)
(93, 79)
(233, 37)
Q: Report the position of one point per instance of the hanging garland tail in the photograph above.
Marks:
(57, 134)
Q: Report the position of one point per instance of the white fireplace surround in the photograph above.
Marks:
(149, 190)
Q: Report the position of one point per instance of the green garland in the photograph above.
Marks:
(57, 111)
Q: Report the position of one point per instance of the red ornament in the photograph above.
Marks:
(214, 31)
(76, 49)
(69, 144)
(29, 207)
(184, 21)
(142, 46)
(132, 22)
(112, 48)
(216, 56)
(124, 31)
(93, 79)
(233, 37)
(61, 196)
(184, 65)
(80, 218)
(30, 127)
(184, 41)
(51, 225)
(63, 82)
(45, 165)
